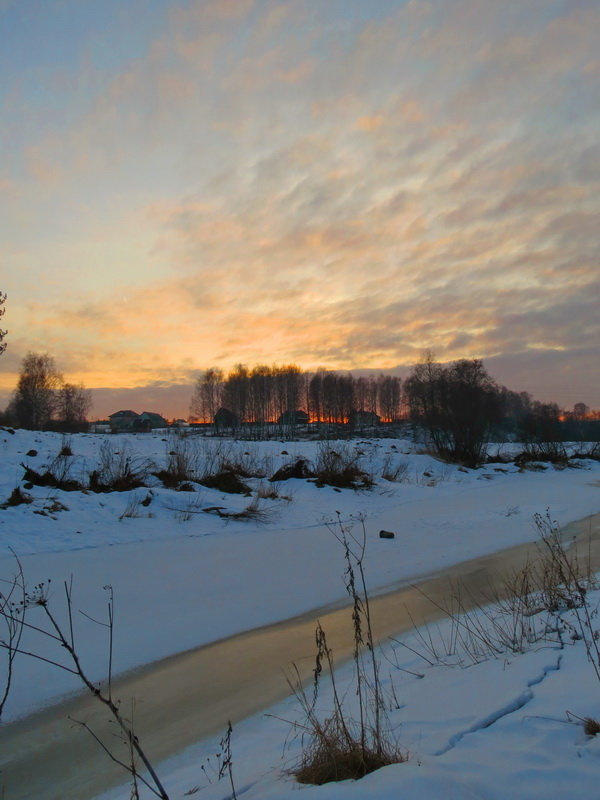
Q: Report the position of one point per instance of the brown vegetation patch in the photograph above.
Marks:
(49, 478)
(17, 498)
(294, 469)
(331, 757)
(226, 482)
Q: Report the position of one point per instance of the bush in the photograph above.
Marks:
(299, 468)
(118, 471)
(17, 498)
(225, 482)
(341, 468)
(340, 747)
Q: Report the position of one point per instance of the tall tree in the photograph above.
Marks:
(458, 404)
(73, 404)
(36, 395)
(207, 396)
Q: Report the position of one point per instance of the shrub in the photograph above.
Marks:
(17, 498)
(118, 471)
(340, 468)
(182, 464)
(299, 468)
(225, 482)
(339, 747)
(56, 476)
(393, 471)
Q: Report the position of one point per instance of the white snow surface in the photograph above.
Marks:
(491, 730)
(182, 577)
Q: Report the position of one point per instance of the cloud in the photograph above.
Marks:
(252, 185)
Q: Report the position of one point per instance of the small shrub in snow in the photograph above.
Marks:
(299, 468)
(227, 482)
(57, 476)
(339, 747)
(393, 471)
(66, 449)
(182, 464)
(17, 498)
(118, 471)
(341, 467)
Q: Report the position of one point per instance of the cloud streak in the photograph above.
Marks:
(266, 183)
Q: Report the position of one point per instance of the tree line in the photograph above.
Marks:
(459, 404)
(43, 400)
(265, 394)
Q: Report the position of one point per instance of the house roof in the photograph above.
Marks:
(124, 414)
(153, 416)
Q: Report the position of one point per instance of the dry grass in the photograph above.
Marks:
(17, 498)
(341, 468)
(332, 756)
(298, 468)
(526, 609)
(118, 470)
(394, 471)
(227, 482)
(591, 726)
(340, 747)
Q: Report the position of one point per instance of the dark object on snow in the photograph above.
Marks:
(387, 535)
(226, 481)
(295, 469)
(32, 453)
(17, 498)
(49, 479)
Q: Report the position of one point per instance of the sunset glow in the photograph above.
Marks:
(339, 184)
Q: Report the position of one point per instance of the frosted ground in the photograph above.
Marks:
(199, 576)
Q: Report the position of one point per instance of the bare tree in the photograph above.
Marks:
(207, 396)
(458, 404)
(235, 392)
(73, 405)
(2, 332)
(36, 395)
(389, 397)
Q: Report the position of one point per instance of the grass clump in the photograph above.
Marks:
(341, 468)
(299, 468)
(182, 464)
(57, 476)
(227, 482)
(591, 726)
(118, 471)
(333, 755)
(341, 747)
(17, 498)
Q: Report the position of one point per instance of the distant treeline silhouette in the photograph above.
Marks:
(269, 394)
(459, 404)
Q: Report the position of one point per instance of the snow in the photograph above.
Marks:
(182, 578)
(483, 731)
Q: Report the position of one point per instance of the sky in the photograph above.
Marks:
(340, 184)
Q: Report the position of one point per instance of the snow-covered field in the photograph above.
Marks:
(184, 576)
